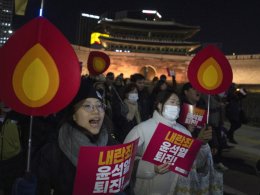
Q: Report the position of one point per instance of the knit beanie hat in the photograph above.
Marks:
(86, 90)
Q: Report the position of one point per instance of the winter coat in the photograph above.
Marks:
(55, 171)
(145, 105)
(147, 181)
(122, 124)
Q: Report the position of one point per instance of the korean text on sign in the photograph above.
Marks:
(173, 147)
(113, 166)
(104, 170)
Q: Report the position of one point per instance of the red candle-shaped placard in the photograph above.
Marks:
(40, 72)
(209, 71)
(98, 62)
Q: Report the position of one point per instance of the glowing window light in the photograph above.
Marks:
(90, 16)
(158, 14)
(5, 10)
(108, 19)
(149, 11)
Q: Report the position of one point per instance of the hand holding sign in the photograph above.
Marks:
(162, 169)
(171, 150)
(205, 134)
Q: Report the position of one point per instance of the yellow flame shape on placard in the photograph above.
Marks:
(210, 75)
(99, 64)
(36, 77)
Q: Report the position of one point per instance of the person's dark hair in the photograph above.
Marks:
(155, 79)
(110, 75)
(163, 77)
(136, 77)
(128, 88)
(118, 80)
(125, 80)
(157, 87)
(162, 97)
(185, 87)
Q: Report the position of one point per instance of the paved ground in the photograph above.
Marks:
(241, 159)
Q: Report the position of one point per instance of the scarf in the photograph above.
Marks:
(71, 139)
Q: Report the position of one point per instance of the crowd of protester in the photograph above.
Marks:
(113, 110)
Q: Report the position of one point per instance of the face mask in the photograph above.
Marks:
(171, 112)
(133, 97)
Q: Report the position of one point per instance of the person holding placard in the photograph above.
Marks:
(190, 95)
(193, 97)
(84, 124)
(124, 122)
(149, 178)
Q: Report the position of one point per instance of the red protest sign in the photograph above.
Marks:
(171, 146)
(192, 115)
(104, 170)
(209, 71)
(170, 72)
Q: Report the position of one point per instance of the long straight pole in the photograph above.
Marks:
(28, 164)
(208, 109)
(41, 9)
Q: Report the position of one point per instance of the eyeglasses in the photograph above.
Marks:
(98, 107)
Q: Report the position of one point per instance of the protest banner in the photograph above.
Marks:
(170, 72)
(192, 115)
(104, 170)
(168, 145)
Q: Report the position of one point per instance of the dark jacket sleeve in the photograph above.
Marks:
(43, 169)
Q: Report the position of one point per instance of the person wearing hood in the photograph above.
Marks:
(158, 180)
(84, 124)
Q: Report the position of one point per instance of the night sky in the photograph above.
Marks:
(234, 24)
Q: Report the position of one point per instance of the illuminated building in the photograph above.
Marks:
(6, 20)
(145, 31)
(87, 23)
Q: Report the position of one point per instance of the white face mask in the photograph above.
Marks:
(171, 112)
(133, 97)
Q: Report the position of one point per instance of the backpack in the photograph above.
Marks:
(10, 143)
